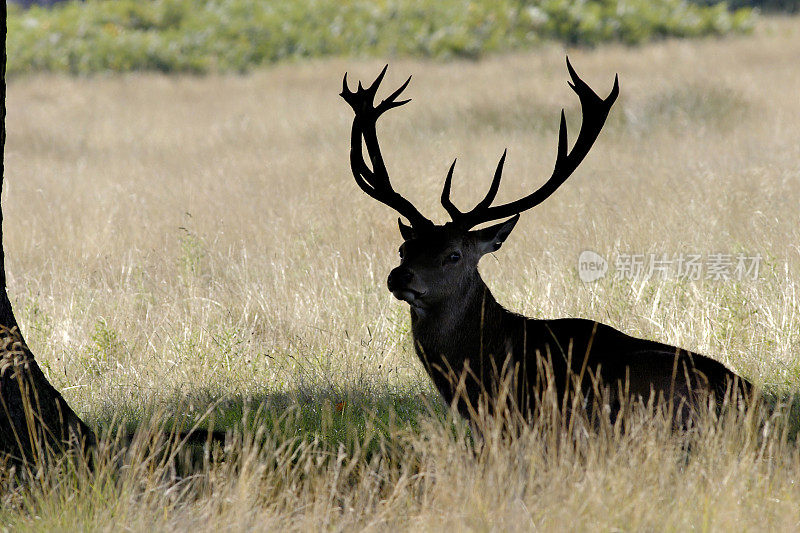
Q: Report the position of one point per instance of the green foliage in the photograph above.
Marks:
(770, 6)
(235, 35)
(104, 350)
(193, 253)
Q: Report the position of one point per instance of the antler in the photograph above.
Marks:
(594, 110)
(375, 182)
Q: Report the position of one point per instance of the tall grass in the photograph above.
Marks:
(192, 251)
(737, 471)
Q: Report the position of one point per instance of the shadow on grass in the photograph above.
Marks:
(351, 421)
(353, 418)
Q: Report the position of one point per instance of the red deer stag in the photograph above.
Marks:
(468, 343)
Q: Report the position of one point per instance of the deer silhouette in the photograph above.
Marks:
(473, 349)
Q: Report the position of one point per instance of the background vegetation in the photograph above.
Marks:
(192, 250)
(236, 35)
(766, 6)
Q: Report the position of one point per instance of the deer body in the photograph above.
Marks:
(483, 343)
(474, 350)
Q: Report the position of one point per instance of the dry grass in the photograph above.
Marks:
(175, 243)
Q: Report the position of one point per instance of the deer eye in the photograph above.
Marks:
(453, 257)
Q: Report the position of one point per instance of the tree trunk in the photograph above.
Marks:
(34, 418)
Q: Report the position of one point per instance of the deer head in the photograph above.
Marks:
(440, 261)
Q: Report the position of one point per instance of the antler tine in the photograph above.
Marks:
(456, 215)
(585, 92)
(389, 102)
(373, 88)
(375, 181)
(495, 186)
(448, 205)
(595, 111)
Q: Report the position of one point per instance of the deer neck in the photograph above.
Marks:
(457, 328)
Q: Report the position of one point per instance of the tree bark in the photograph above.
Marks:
(35, 420)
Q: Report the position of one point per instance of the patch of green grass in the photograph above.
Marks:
(236, 35)
(104, 349)
(193, 253)
(330, 419)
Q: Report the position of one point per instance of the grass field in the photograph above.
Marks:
(193, 250)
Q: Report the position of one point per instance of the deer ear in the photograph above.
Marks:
(407, 232)
(491, 238)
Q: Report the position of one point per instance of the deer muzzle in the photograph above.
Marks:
(399, 283)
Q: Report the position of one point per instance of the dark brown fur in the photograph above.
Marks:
(468, 338)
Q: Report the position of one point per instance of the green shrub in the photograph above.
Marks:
(770, 6)
(236, 35)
